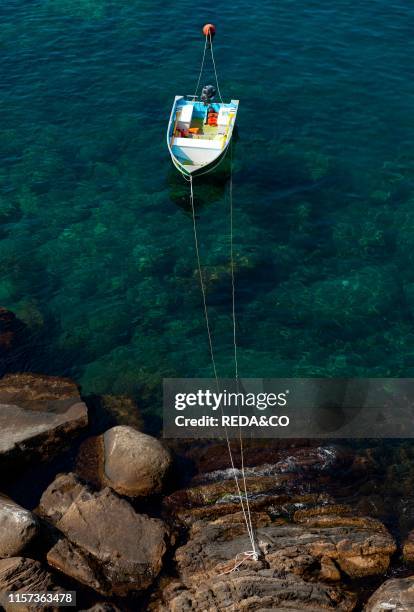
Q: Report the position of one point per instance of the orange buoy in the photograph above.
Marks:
(209, 30)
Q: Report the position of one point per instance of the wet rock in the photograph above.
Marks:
(278, 507)
(219, 492)
(270, 457)
(39, 416)
(135, 464)
(395, 594)
(291, 482)
(107, 545)
(18, 527)
(275, 495)
(356, 546)
(248, 591)
(21, 575)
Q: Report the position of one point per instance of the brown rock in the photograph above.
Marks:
(107, 545)
(309, 515)
(395, 594)
(103, 606)
(360, 550)
(38, 416)
(408, 548)
(291, 482)
(224, 490)
(17, 527)
(282, 456)
(135, 464)
(329, 571)
(59, 496)
(278, 494)
(20, 575)
(90, 460)
(246, 591)
(74, 562)
(280, 507)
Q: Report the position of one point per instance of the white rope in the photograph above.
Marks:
(246, 515)
(203, 291)
(233, 291)
(214, 66)
(236, 366)
(244, 499)
(201, 69)
(248, 554)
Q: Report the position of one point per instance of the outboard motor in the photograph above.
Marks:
(208, 93)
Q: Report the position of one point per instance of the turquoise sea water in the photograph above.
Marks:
(96, 244)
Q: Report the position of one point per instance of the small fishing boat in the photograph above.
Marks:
(200, 130)
(199, 134)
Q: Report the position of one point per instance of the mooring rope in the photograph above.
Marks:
(246, 512)
(201, 69)
(236, 366)
(203, 290)
(248, 554)
(208, 42)
(243, 497)
(214, 66)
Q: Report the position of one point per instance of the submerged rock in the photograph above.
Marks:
(106, 544)
(395, 594)
(292, 479)
(39, 416)
(18, 527)
(354, 300)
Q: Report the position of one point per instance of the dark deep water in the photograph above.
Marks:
(96, 244)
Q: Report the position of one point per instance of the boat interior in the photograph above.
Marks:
(196, 120)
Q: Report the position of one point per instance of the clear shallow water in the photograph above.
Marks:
(96, 249)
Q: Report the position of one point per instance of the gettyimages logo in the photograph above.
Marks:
(225, 399)
(289, 408)
(236, 409)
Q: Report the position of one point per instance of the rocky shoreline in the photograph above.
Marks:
(90, 502)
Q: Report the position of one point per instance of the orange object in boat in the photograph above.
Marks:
(194, 130)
